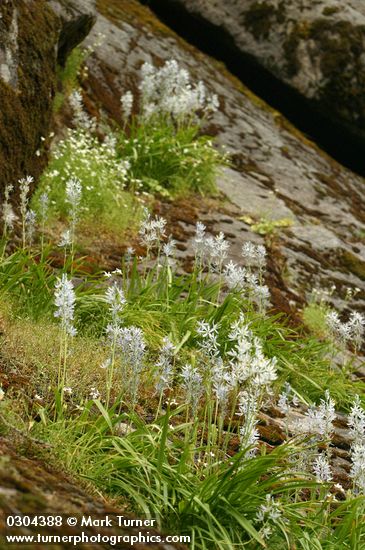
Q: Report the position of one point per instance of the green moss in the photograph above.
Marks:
(353, 264)
(339, 46)
(259, 19)
(330, 10)
(26, 111)
(67, 76)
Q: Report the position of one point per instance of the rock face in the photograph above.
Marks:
(315, 47)
(276, 172)
(28, 39)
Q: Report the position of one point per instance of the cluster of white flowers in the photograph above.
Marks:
(8, 214)
(321, 417)
(208, 343)
(352, 331)
(114, 296)
(65, 302)
(127, 105)
(270, 511)
(216, 251)
(248, 361)
(168, 91)
(213, 251)
(235, 276)
(24, 186)
(43, 207)
(169, 252)
(30, 219)
(81, 118)
(73, 199)
(356, 422)
(287, 398)
(248, 407)
(97, 165)
(152, 231)
(322, 468)
(164, 365)
(192, 385)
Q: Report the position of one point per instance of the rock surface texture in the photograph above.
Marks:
(315, 47)
(276, 172)
(28, 40)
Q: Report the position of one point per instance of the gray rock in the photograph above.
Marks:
(314, 47)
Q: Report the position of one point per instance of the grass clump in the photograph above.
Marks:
(163, 142)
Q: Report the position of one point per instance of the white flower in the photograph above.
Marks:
(357, 471)
(322, 469)
(66, 239)
(235, 276)
(356, 421)
(254, 255)
(199, 240)
(192, 384)
(269, 511)
(9, 216)
(65, 302)
(115, 298)
(94, 393)
(321, 418)
(209, 335)
(127, 104)
(165, 366)
(24, 185)
(217, 250)
(81, 118)
(30, 218)
(168, 91)
(43, 206)
(152, 230)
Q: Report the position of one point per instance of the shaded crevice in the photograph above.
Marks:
(339, 141)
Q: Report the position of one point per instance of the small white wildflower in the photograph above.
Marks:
(94, 393)
(66, 239)
(9, 216)
(30, 219)
(199, 240)
(114, 296)
(235, 276)
(165, 366)
(322, 469)
(357, 472)
(127, 104)
(270, 511)
(254, 255)
(65, 302)
(356, 422)
(321, 417)
(192, 384)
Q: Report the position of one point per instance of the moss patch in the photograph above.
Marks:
(353, 264)
(259, 19)
(26, 111)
